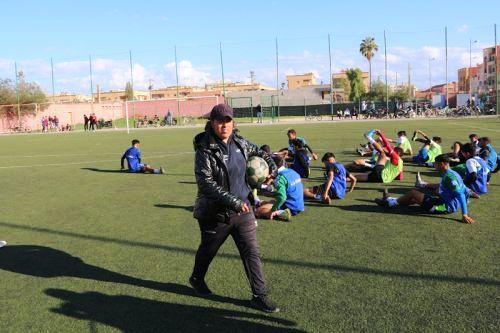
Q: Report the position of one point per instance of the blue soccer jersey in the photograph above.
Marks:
(301, 163)
(453, 192)
(133, 156)
(478, 166)
(492, 158)
(289, 185)
(339, 179)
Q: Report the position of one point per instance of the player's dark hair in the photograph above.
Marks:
(472, 135)
(468, 148)
(443, 158)
(436, 139)
(484, 154)
(399, 151)
(402, 133)
(327, 156)
(291, 131)
(485, 139)
(135, 141)
(278, 160)
(266, 148)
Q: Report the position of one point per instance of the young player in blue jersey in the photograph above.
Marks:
(301, 160)
(288, 153)
(135, 165)
(493, 160)
(474, 171)
(452, 194)
(288, 193)
(336, 179)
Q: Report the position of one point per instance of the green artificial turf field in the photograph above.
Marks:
(93, 249)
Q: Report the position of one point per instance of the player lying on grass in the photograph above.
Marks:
(430, 149)
(287, 153)
(452, 193)
(401, 142)
(474, 171)
(389, 165)
(133, 157)
(336, 178)
(288, 193)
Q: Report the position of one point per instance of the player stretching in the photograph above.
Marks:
(335, 185)
(451, 193)
(389, 164)
(429, 150)
(133, 157)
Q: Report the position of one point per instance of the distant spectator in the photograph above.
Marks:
(86, 122)
(56, 123)
(258, 113)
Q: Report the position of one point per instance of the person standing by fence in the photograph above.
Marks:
(86, 122)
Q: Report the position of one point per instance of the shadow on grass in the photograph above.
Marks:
(46, 262)
(4, 258)
(105, 170)
(188, 208)
(187, 183)
(134, 314)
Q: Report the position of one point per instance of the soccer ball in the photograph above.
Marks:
(257, 171)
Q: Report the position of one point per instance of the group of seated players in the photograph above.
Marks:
(465, 173)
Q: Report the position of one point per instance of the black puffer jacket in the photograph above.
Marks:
(213, 199)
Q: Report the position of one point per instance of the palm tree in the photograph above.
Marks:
(367, 48)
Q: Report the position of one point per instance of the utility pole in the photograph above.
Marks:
(52, 76)
(446, 61)
(386, 86)
(496, 70)
(331, 80)
(222, 71)
(470, 68)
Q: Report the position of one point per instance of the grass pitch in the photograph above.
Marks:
(94, 249)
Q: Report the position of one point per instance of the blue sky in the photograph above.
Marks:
(68, 31)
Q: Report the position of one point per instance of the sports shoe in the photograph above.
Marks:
(162, 170)
(382, 202)
(414, 137)
(2, 243)
(419, 183)
(263, 303)
(199, 286)
(285, 215)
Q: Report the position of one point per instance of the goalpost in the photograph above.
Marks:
(243, 108)
(181, 110)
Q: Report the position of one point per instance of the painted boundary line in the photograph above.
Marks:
(85, 162)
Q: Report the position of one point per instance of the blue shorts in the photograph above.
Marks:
(139, 168)
(422, 157)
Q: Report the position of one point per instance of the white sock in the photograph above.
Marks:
(263, 186)
(156, 171)
(392, 201)
(318, 197)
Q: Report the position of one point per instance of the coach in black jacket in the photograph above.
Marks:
(223, 203)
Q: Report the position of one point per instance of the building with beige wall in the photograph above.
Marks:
(301, 80)
(338, 77)
(68, 98)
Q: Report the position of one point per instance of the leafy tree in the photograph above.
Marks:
(342, 83)
(357, 88)
(28, 92)
(367, 48)
(129, 92)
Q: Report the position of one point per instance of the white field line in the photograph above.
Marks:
(85, 162)
(478, 127)
(64, 155)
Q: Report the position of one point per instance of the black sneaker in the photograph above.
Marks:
(200, 286)
(263, 303)
(414, 137)
(385, 193)
(382, 202)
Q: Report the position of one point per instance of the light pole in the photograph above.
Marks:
(470, 67)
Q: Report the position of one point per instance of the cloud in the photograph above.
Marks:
(463, 28)
(188, 74)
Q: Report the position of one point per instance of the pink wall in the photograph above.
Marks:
(67, 113)
(197, 107)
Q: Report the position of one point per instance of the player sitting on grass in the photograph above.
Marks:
(429, 150)
(451, 193)
(133, 157)
(336, 178)
(288, 153)
(474, 171)
(493, 163)
(288, 192)
(389, 164)
(403, 143)
(301, 160)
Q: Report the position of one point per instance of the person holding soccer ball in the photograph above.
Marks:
(223, 202)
